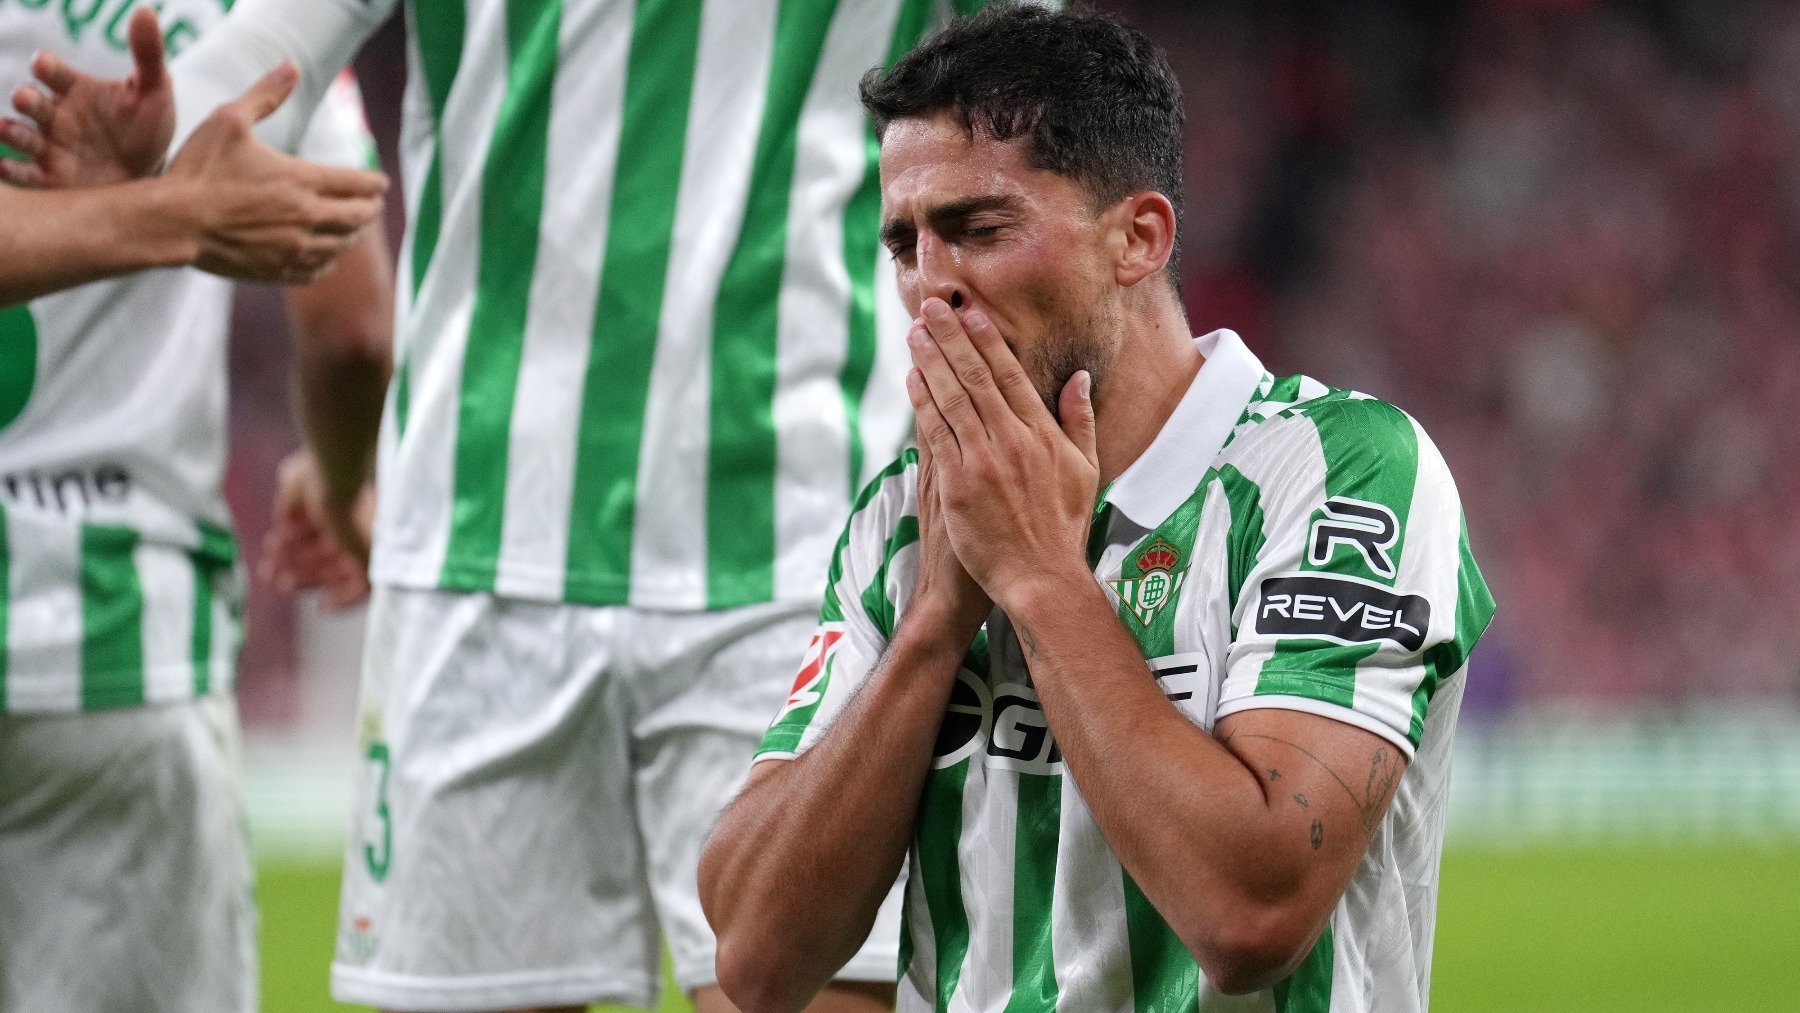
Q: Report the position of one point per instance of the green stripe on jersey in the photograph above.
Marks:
(201, 645)
(439, 26)
(740, 481)
(1371, 453)
(940, 830)
(5, 601)
(833, 608)
(19, 352)
(1038, 829)
(659, 84)
(862, 249)
(1163, 973)
(877, 603)
(112, 618)
(1474, 610)
(1308, 989)
(1247, 535)
(512, 204)
(217, 552)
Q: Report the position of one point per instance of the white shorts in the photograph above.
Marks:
(538, 781)
(125, 878)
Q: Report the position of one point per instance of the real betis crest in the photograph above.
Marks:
(1156, 584)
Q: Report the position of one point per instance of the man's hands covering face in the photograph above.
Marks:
(1013, 490)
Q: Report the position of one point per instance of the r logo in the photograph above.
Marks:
(1370, 528)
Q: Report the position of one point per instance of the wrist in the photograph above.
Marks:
(1033, 591)
(166, 230)
(938, 625)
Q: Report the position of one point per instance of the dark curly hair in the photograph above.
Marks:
(1096, 100)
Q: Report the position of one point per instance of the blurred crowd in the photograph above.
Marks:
(1564, 235)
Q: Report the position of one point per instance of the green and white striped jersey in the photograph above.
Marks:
(118, 582)
(650, 347)
(1280, 544)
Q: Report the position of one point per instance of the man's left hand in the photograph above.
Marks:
(318, 542)
(1016, 487)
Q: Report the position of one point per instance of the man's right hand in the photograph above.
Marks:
(261, 215)
(942, 578)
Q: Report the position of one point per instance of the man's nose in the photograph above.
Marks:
(939, 274)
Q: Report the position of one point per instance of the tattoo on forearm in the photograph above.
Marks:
(1027, 641)
(1300, 800)
(1274, 775)
(1384, 771)
(1318, 834)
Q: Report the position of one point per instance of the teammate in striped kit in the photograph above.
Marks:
(641, 374)
(126, 879)
(1148, 662)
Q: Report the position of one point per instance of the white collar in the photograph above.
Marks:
(1165, 474)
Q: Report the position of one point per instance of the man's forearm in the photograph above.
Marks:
(344, 326)
(1188, 819)
(58, 239)
(798, 866)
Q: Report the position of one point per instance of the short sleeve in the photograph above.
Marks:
(1361, 595)
(857, 617)
(338, 134)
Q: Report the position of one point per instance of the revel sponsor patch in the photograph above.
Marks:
(1342, 610)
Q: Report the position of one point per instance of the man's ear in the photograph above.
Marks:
(1147, 222)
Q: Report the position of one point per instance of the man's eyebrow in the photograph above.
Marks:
(896, 229)
(958, 210)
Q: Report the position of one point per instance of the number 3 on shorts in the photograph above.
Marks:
(377, 861)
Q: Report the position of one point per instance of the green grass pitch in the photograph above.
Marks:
(1603, 928)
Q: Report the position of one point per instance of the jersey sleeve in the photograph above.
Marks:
(1360, 595)
(857, 617)
(339, 132)
(320, 36)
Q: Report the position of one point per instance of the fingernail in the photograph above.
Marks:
(918, 337)
(975, 318)
(1087, 383)
(937, 309)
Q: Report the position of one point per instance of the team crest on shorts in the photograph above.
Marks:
(1156, 584)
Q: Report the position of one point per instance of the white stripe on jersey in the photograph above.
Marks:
(1086, 909)
(887, 419)
(439, 329)
(589, 88)
(168, 621)
(731, 83)
(43, 623)
(811, 424)
(985, 854)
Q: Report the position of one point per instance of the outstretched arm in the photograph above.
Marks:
(59, 239)
(85, 129)
(228, 204)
